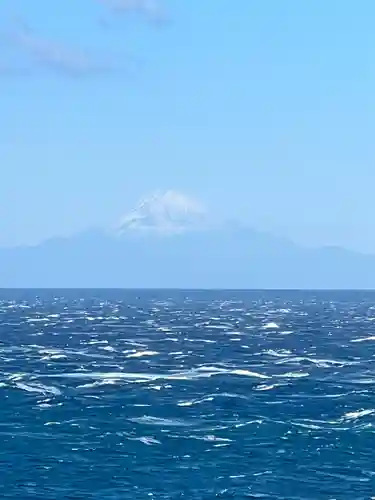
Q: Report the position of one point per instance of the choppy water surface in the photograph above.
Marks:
(197, 395)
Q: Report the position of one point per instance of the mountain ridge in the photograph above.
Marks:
(172, 241)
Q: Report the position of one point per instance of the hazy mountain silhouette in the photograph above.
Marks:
(168, 241)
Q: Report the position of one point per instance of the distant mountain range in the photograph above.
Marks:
(170, 241)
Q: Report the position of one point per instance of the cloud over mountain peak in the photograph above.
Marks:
(165, 212)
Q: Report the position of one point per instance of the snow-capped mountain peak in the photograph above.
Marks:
(165, 212)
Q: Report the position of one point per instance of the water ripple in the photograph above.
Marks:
(198, 395)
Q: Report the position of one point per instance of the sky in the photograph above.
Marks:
(262, 110)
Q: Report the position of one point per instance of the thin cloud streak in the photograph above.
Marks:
(33, 52)
(150, 9)
(44, 53)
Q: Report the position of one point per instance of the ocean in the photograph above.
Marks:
(113, 394)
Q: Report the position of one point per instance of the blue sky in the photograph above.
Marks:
(264, 110)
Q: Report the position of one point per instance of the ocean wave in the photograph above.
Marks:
(169, 395)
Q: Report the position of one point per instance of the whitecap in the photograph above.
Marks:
(41, 389)
(248, 373)
(149, 420)
(294, 375)
(140, 354)
(99, 383)
(353, 415)
(264, 387)
(147, 440)
(278, 353)
(271, 325)
(364, 339)
(54, 356)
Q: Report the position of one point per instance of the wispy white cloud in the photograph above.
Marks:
(150, 9)
(50, 53)
(33, 51)
(11, 70)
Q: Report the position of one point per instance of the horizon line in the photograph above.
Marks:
(178, 289)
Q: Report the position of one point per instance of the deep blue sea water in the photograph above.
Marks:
(187, 394)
